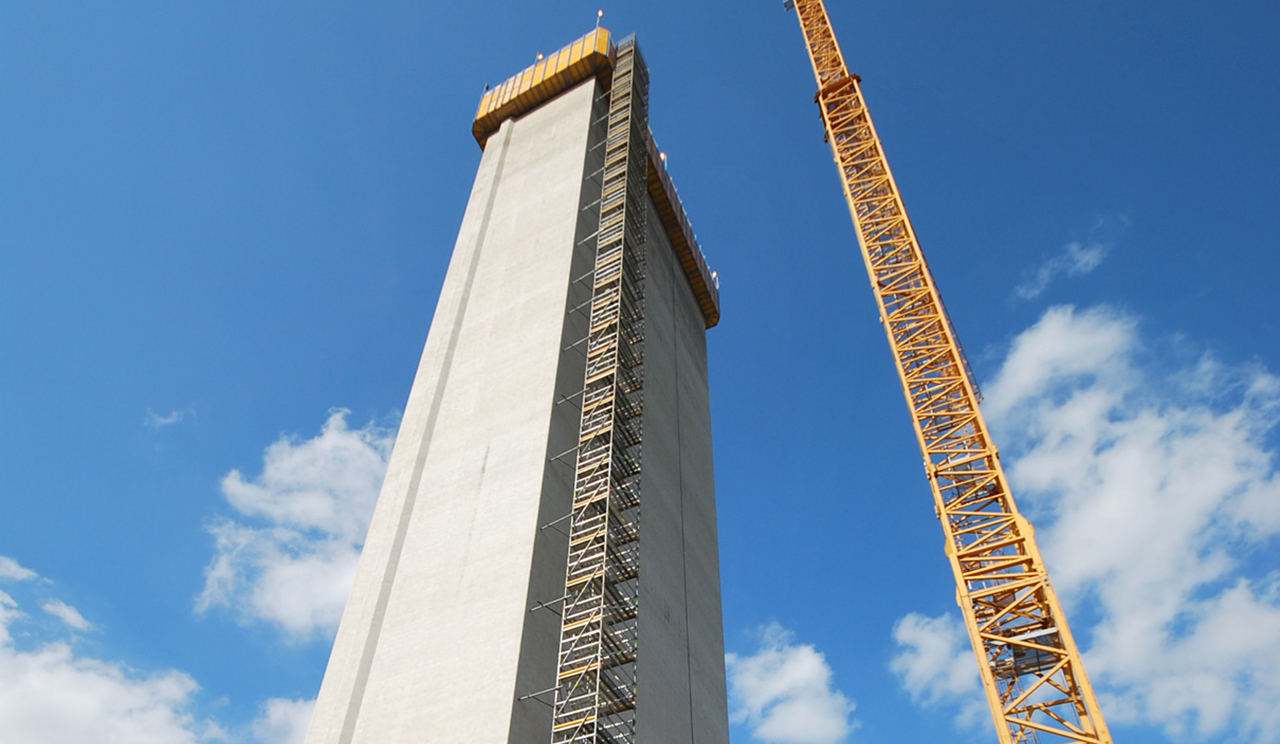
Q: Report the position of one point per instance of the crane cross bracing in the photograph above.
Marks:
(1031, 670)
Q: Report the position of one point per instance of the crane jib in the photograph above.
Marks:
(1031, 670)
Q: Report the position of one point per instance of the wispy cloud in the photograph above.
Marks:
(1074, 260)
(1155, 493)
(157, 422)
(783, 692)
(289, 556)
(10, 569)
(67, 614)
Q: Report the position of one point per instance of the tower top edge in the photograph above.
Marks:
(703, 281)
(589, 56)
(594, 55)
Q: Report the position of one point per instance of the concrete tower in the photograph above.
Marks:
(542, 563)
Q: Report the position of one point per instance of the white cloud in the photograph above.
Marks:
(1074, 260)
(52, 695)
(936, 664)
(1155, 495)
(155, 421)
(283, 721)
(67, 614)
(286, 559)
(8, 613)
(290, 556)
(783, 692)
(10, 569)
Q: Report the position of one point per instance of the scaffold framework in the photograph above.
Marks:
(595, 693)
(1031, 670)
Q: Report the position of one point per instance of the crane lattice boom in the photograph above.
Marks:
(1030, 667)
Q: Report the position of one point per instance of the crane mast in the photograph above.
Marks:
(1030, 667)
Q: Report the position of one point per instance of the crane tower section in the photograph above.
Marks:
(1031, 671)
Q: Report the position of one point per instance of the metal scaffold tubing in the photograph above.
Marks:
(1031, 669)
(595, 676)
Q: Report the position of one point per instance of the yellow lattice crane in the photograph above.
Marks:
(1030, 667)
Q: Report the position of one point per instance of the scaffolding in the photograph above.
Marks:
(1030, 667)
(595, 693)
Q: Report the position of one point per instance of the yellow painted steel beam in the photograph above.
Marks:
(1031, 671)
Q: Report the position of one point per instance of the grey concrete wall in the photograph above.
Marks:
(437, 641)
(681, 691)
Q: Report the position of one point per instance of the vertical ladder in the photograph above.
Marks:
(596, 668)
(1031, 670)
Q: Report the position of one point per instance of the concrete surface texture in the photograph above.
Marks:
(438, 643)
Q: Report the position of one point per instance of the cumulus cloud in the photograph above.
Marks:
(1155, 493)
(283, 721)
(783, 692)
(54, 695)
(936, 664)
(290, 554)
(67, 614)
(1074, 260)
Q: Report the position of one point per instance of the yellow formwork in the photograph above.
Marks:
(676, 224)
(591, 55)
(595, 55)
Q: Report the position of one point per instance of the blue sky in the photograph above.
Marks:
(220, 222)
